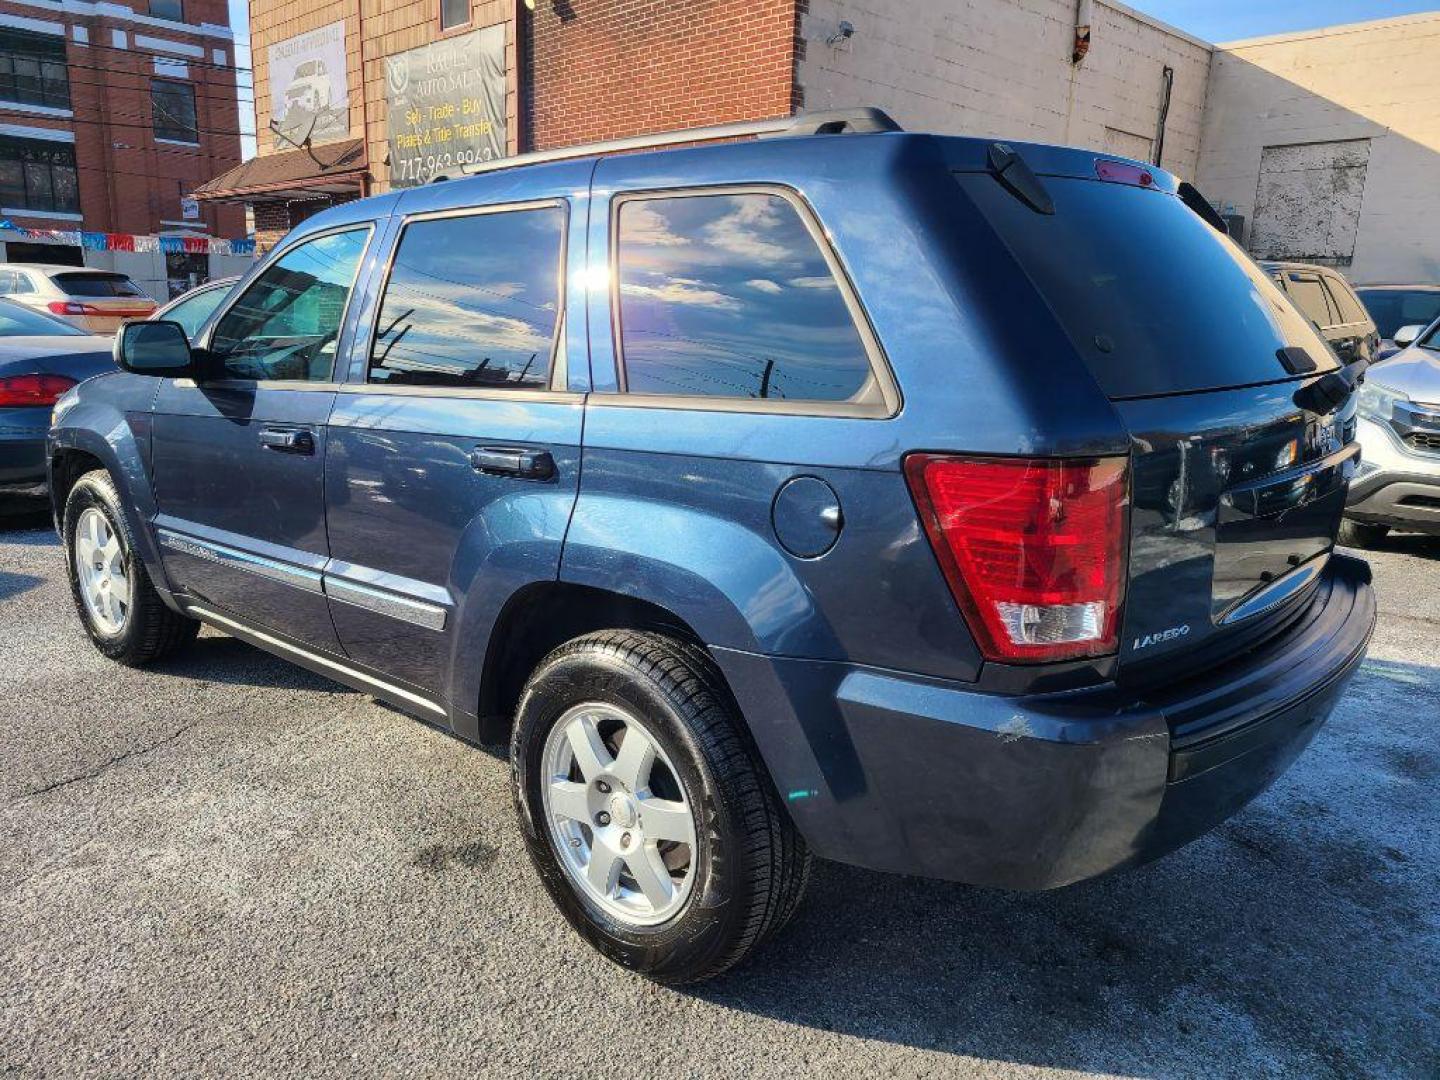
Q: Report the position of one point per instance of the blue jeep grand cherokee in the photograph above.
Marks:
(933, 505)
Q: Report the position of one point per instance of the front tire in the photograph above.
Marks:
(1358, 534)
(121, 611)
(645, 809)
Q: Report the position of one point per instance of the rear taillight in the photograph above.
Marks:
(1033, 549)
(69, 307)
(33, 390)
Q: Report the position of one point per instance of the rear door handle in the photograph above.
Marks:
(513, 461)
(288, 440)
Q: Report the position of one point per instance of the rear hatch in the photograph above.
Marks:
(1236, 485)
(102, 299)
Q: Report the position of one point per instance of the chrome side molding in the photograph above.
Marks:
(404, 608)
(381, 601)
(274, 569)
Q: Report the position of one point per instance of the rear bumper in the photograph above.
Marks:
(926, 777)
(22, 449)
(1395, 486)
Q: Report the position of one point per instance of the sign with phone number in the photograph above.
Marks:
(446, 105)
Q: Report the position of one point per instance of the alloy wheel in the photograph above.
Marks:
(617, 814)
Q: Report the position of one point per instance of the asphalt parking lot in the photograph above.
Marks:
(225, 864)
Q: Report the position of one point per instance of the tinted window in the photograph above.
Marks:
(32, 69)
(287, 323)
(96, 285)
(472, 301)
(38, 174)
(1393, 308)
(1343, 300)
(172, 107)
(1310, 297)
(1154, 300)
(19, 321)
(454, 13)
(729, 296)
(192, 311)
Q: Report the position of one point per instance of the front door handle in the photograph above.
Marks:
(513, 461)
(288, 440)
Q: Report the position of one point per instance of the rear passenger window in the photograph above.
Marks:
(1310, 297)
(1343, 300)
(729, 296)
(472, 301)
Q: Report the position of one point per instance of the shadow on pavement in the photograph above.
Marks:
(1307, 925)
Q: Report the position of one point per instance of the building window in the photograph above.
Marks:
(172, 105)
(168, 9)
(454, 13)
(730, 296)
(473, 302)
(32, 69)
(37, 174)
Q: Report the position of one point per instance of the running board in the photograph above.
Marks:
(330, 667)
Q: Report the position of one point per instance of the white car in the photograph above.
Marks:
(309, 89)
(97, 301)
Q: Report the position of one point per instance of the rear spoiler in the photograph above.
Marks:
(1191, 197)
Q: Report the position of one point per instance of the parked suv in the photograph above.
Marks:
(930, 504)
(1398, 484)
(1401, 313)
(1330, 303)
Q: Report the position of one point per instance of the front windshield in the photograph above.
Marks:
(192, 311)
(19, 321)
(1431, 340)
(1393, 308)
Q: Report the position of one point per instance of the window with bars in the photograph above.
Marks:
(37, 174)
(172, 106)
(32, 69)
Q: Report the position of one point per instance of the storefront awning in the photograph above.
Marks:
(335, 169)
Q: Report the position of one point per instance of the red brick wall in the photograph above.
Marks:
(602, 69)
(128, 181)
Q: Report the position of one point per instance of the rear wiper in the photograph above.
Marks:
(1007, 166)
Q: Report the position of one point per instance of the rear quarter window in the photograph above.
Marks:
(729, 295)
(1351, 310)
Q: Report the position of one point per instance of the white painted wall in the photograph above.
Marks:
(1378, 81)
(1002, 68)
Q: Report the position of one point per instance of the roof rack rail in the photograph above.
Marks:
(824, 122)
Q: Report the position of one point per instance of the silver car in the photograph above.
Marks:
(96, 301)
(1398, 483)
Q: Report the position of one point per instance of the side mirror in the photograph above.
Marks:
(1406, 335)
(154, 348)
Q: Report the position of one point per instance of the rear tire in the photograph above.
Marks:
(1358, 534)
(121, 611)
(742, 877)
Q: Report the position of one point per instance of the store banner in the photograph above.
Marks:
(446, 105)
(309, 97)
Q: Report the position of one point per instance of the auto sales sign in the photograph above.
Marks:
(446, 105)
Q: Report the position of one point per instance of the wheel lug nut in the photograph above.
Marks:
(602, 818)
(603, 786)
(625, 840)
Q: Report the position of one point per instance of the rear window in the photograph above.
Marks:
(1312, 299)
(1344, 299)
(1393, 308)
(1154, 300)
(97, 285)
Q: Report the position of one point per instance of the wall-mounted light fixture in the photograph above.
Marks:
(844, 32)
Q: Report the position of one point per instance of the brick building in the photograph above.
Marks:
(358, 96)
(558, 72)
(111, 113)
